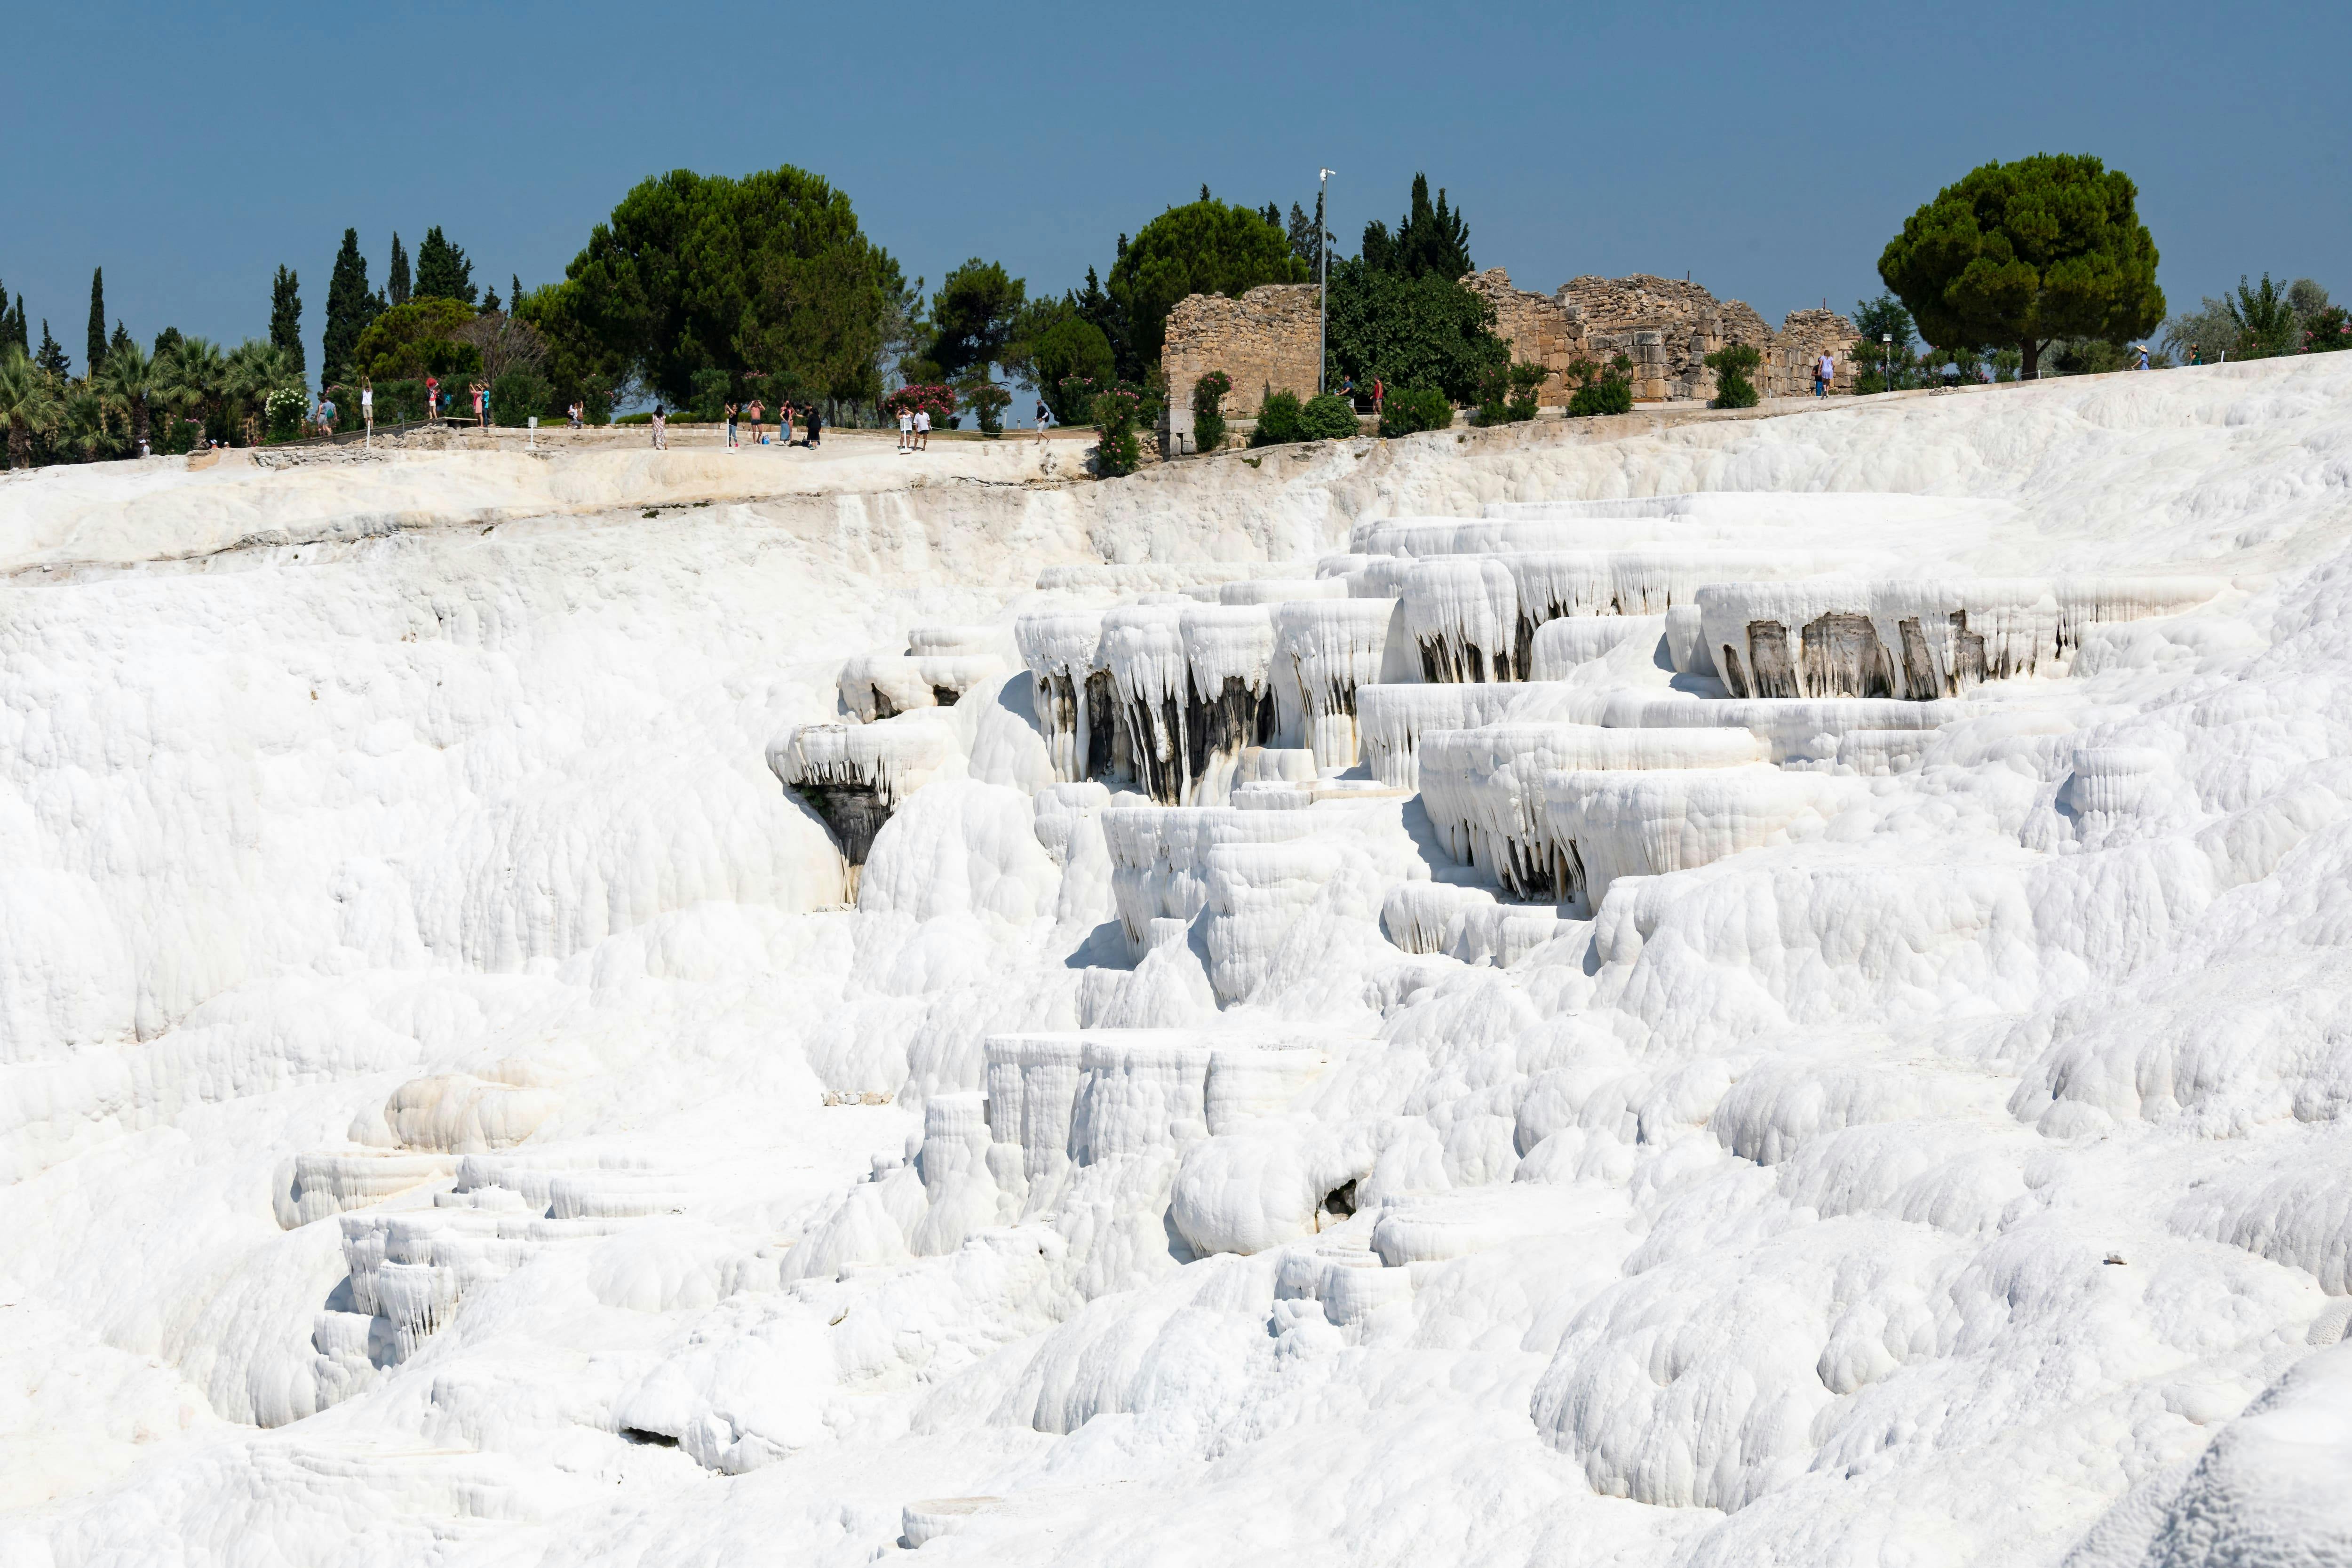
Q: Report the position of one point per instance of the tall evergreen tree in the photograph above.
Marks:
(350, 309)
(95, 345)
(514, 291)
(52, 357)
(1431, 239)
(14, 328)
(286, 316)
(442, 271)
(395, 275)
(120, 340)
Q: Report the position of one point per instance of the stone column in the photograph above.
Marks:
(1650, 366)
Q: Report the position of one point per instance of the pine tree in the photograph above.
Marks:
(442, 271)
(286, 317)
(52, 357)
(95, 345)
(395, 275)
(14, 328)
(514, 290)
(350, 309)
(120, 340)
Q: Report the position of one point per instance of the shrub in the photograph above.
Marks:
(283, 413)
(1078, 394)
(1278, 420)
(1731, 364)
(397, 402)
(1609, 395)
(1208, 410)
(1326, 417)
(917, 397)
(1416, 408)
(517, 396)
(1117, 452)
(1527, 387)
(986, 400)
(710, 399)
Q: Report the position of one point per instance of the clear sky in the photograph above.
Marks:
(1769, 152)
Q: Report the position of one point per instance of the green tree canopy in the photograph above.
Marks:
(417, 339)
(2049, 246)
(442, 272)
(395, 274)
(1430, 241)
(1207, 247)
(350, 309)
(769, 275)
(1071, 346)
(972, 316)
(94, 349)
(1410, 331)
(286, 316)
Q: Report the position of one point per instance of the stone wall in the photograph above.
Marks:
(1267, 341)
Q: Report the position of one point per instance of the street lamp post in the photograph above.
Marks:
(1323, 284)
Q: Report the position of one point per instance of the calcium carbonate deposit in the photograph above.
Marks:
(1770, 992)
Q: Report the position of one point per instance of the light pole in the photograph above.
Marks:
(1323, 284)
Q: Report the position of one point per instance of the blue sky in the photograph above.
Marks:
(1767, 152)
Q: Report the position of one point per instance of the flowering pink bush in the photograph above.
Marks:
(940, 400)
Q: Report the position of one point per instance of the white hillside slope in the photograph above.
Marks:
(1877, 1089)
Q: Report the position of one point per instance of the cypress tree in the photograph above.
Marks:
(350, 307)
(95, 345)
(442, 271)
(514, 290)
(286, 316)
(395, 275)
(14, 327)
(120, 340)
(52, 357)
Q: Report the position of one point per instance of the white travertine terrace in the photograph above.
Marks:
(1247, 1101)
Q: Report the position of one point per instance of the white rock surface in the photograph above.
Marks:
(448, 1112)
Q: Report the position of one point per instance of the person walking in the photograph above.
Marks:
(906, 429)
(922, 429)
(1824, 373)
(661, 443)
(2142, 351)
(367, 409)
(1045, 421)
(574, 411)
(731, 443)
(432, 399)
(1379, 390)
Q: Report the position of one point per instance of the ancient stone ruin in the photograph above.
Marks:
(1266, 339)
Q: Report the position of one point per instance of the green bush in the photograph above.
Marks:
(1327, 418)
(517, 396)
(398, 401)
(286, 409)
(1416, 408)
(1527, 387)
(1609, 395)
(1209, 411)
(1731, 364)
(1117, 452)
(986, 400)
(1279, 421)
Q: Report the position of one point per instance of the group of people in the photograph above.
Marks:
(811, 424)
(914, 429)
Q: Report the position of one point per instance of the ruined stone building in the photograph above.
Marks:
(1266, 339)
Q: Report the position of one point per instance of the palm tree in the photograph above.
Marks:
(127, 381)
(84, 430)
(192, 375)
(254, 368)
(29, 402)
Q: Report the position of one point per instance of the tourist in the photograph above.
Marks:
(1379, 390)
(326, 415)
(784, 422)
(432, 399)
(732, 442)
(367, 407)
(922, 429)
(906, 429)
(661, 442)
(1045, 420)
(759, 416)
(815, 425)
(2142, 351)
(574, 412)
(481, 403)
(1824, 374)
